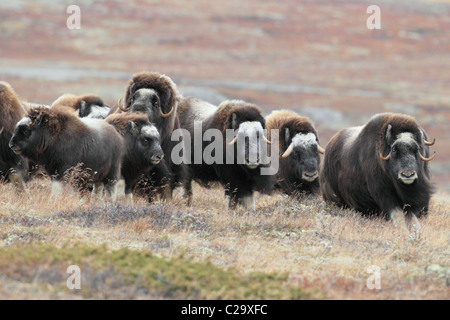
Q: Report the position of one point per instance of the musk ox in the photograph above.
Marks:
(379, 168)
(13, 167)
(239, 178)
(299, 144)
(59, 140)
(142, 144)
(157, 96)
(89, 106)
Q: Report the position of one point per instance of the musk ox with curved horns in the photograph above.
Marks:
(157, 96)
(59, 140)
(240, 180)
(380, 168)
(13, 167)
(142, 145)
(299, 144)
(89, 106)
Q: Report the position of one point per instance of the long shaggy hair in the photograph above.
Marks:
(168, 173)
(11, 111)
(353, 174)
(287, 177)
(60, 141)
(239, 181)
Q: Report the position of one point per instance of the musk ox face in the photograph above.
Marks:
(404, 161)
(22, 136)
(303, 155)
(148, 101)
(146, 142)
(250, 140)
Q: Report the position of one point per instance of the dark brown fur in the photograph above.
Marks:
(239, 182)
(289, 176)
(353, 175)
(141, 150)
(59, 140)
(76, 103)
(11, 111)
(167, 173)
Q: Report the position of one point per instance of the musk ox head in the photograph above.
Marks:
(142, 138)
(145, 141)
(33, 133)
(93, 107)
(88, 106)
(22, 136)
(153, 94)
(302, 154)
(406, 153)
(249, 127)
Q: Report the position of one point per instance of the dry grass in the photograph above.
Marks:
(323, 250)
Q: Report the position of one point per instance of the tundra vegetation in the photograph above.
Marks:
(285, 249)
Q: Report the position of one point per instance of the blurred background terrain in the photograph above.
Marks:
(316, 57)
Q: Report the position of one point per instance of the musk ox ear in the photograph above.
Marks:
(234, 124)
(132, 127)
(287, 135)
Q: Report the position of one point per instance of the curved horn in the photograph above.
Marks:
(385, 158)
(233, 141)
(428, 143)
(320, 149)
(427, 159)
(266, 140)
(119, 103)
(288, 151)
(166, 115)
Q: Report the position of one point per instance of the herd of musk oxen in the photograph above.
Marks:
(379, 168)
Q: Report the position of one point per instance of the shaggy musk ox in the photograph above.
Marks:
(157, 96)
(142, 145)
(379, 168)
(89, 106)
(240, 180)
(298, 141)
(59, 140)
(13, 167)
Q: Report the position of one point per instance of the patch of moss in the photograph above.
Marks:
(178, 278)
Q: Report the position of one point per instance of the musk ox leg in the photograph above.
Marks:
(412, 222)
(397, 216)
(57, 189)
(166, 192)
(16, 178)
(111, 190)
(121, 189)
(97, 191)
(187, 192)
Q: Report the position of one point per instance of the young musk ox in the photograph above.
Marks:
(142, 144)
(59, 140)
(380, 168)
(89, 106)
(13, 167)
(239, 178)
(157, 96)
(298, 141)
